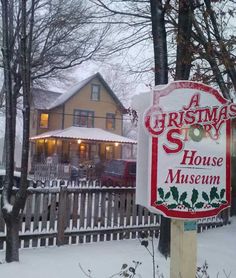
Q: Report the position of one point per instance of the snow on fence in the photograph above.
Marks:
(78, 213)
(63, 212)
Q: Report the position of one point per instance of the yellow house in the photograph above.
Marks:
(82, 124)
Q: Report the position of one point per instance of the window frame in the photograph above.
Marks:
(40, 121)
(109, 117)
(97, 93)
(77, 122)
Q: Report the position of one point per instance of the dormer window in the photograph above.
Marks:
(95, 92)
(43, 120)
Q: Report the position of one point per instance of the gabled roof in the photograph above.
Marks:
(76, 88)
(41, 98)
(85, 133)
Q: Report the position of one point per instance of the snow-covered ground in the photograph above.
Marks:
(217, 247)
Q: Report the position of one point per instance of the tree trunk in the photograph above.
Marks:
(164, 240)
(11, 211)
(161, 77)
(159, 42)
(12, 239)
(184, 49)
(25, 67)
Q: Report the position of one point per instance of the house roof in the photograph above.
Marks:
(42, 98)
(84, 133)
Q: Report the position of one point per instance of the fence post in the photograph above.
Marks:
(61, 215)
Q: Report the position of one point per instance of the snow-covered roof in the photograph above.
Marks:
(84, 133)
(67, 95)
(45, 99)
(77, 87)
(41, 99)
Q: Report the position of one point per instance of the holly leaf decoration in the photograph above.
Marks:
(217, 196)
(160, 202)
(222, 193)
(194, 196)
(167, 196)
(213, 193)
(161, 192)
(215, 205)
(175, 193)
(205, 196)
(183, 197)
(187, 205)
(199, 205)
(172, 206)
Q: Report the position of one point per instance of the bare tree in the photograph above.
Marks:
(215, 47)
(212, 41)
(194, 39)
(63, 38)
(120, 83)
(40, 38)
(11, 210)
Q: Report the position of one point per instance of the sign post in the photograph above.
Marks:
(183, 249)
(184, 146)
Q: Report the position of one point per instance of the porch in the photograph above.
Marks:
(56, 153)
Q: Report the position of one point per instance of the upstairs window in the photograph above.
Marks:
(95, 92)
(43, 120)
(110, 121)
(83, 118)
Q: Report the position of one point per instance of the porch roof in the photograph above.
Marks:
(84, 133)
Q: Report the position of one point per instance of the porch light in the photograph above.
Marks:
(79, 141)
(116, 144)
(82, 147)
(107, 148)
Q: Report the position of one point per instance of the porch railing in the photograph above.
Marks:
(49, 171)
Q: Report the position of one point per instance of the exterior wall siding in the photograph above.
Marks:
(55, 118)
(105, 105)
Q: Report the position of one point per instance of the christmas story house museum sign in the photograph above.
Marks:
(189, 124)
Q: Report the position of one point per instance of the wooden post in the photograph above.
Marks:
(61, 215)
(183, 249)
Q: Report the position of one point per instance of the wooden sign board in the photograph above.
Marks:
(188, 129)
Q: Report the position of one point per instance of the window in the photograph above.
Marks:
(83, 118)
(109, 152)
(110, 121)
(43, 120)
(95, 92)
